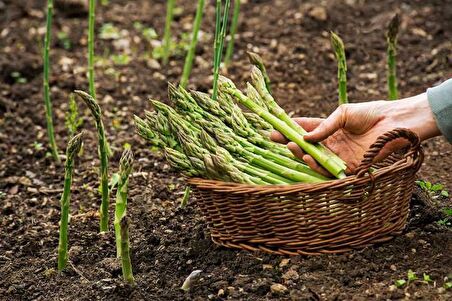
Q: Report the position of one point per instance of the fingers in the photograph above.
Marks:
(298, 152)
(278, 137)
(328, 127)
(308, 124)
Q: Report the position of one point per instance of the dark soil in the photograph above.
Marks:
(168, 243)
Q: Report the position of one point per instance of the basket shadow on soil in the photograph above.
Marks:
(168, 242)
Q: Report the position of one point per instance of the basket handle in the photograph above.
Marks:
(381, 141)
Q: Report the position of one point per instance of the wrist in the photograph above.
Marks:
(415, 114)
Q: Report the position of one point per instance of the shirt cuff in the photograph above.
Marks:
(440, 100)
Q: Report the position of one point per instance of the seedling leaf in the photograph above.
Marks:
(400, 282)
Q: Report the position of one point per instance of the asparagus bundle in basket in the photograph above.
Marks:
(215, 139)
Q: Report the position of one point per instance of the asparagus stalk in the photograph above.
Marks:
(47, 101)
(339, 52)
(167, 34)
(278, 112)
(125, 168)
(180, 161)
(72, 150)
(194, 41)
(324, 159)
(97, 114)
(125, 251)
(240, 127)
(220, 34)
(233, 31)
(91, 21)
(391, 37)
(257, 61)
(209, 143)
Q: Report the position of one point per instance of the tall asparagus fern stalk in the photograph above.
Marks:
(233, 31)
(339, 52)
(103, 153)
(194, 41)
(125, 168)
(167, 34)
(220, 33)
(72, 150)
(391, 37)
(91, 23)
(47, 102)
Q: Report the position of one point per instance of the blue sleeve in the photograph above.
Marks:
(440, 100)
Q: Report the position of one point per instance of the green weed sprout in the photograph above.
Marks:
(167, 34)
(186, 197)
(339, 52)
(72, 150)
(103, 154)
(125, 251)
(391, 38)
(194, 41)
(125, 168)
(220, 33)
(232, 32)
(91, 23)
(47, 101)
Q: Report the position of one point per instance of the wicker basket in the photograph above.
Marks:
(331, 217)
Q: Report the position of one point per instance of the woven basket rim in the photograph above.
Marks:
(408, 160)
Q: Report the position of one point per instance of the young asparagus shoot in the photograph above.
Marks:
(103, 153)
(339, 52)
(167, 34)
(125, 252)
(220, 33)
(73, 121)
(91, 23)
(391, 38)
(194, 41)
(72, 150)
(257, 61)
(186, 197)
(46, 71)
(232, 32)
(125, 168)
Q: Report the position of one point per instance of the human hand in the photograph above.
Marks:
(352, 128)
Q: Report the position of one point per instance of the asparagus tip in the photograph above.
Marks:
(393, 28)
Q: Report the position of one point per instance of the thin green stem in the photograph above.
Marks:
(167, 34)
(125, 168)
(103, 154)
(391, 37)
(220, 34)
(339, 52)
(91, 24)
(125, 252)
(47, 101)
(194, 41)
(233, 31)
(72, 150)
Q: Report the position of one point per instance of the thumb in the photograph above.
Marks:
(328, 127)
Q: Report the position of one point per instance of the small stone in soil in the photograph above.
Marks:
(278, 288)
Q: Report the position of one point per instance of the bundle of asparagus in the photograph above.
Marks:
(215, 139)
